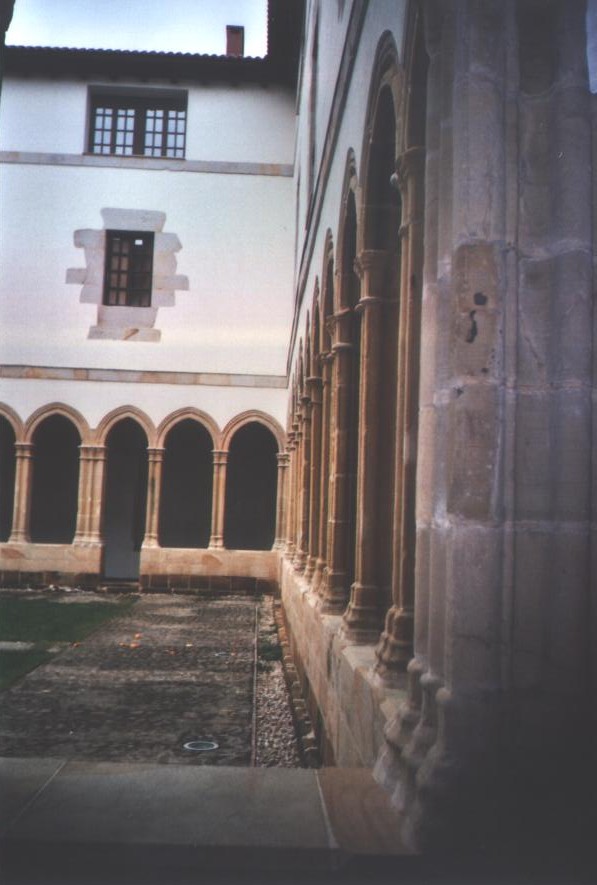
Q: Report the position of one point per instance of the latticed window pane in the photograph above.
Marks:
(129, 264)
(149, 126)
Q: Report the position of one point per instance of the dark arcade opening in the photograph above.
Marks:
(7, 477)
(55, 484)
(125, 500)
(251, 486)
(186, 493)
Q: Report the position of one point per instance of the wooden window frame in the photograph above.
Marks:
(137, 125)
(128, 274)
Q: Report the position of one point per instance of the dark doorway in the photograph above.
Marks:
(187, 477)
(55, 482)
(125, 500)
(251, 485)
(7, 477)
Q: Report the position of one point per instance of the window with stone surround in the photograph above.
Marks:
(135, 122)
(129, 268)
(130, 273)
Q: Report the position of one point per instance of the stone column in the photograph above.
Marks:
(315, 390)
(300, 559)
(154, 487)
(296, 481)
(362, 620)
(22, 493)
(396, 645)
(324, 478)
(336, 590)
(91, 486)
(291, 503)
(282, 459)
(218, 500)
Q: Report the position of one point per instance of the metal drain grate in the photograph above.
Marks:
(200, 746)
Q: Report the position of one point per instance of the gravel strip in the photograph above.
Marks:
(276, 743)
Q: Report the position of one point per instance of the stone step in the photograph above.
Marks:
(115, 822)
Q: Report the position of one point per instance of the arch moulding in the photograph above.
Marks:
(13, 419)
(52, 409)
(185, 414)
(249, 417)
(116, 415)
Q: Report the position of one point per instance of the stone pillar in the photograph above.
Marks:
(218, 501)
(281, 501)
(362, 620)
(324, 478)
(154, 487)
(315, 390)
(291, 502)
(300, 559)
(336, 584)
(396, 645)
(91, 486)
(22, 493)
(297, 488)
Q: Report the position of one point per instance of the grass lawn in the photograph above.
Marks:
(14, 664)
(46, 621)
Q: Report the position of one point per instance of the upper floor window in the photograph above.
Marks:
(129, 265)
(133, 123)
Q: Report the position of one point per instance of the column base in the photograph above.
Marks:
(395, 647)
(361, 624)
(334, 596)
(299, 561)
(216, 542)
(310, 568)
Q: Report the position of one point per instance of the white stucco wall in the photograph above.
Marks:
(241, 123)
(95, 400)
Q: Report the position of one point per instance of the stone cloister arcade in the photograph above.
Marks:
(127, 486)
(352, 426)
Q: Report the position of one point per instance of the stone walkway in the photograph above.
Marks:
(177, 668)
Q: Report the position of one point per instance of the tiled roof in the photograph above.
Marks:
(57, 61)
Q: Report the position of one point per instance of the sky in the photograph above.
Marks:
(154, 25)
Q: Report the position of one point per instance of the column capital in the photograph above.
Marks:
(92, 452)
(155, 454)
(410, 163)
(371, 260)
(24, 449)
(220, 456)
(283, 459)
(315, 384)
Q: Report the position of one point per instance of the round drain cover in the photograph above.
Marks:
(200, 746)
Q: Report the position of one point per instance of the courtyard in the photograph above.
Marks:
(167, 670)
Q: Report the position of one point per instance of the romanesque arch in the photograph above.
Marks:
(252, 442)
(324, 348)
(10, 432)
(55, 441)
(52, 409)
(125, 498)
(137, 415)
(346, 346)
(378, 264)
(185, 507)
